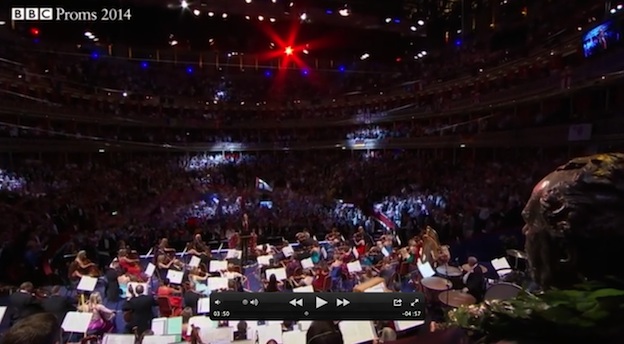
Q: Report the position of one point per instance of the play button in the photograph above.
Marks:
(320, 302)
(342, 302)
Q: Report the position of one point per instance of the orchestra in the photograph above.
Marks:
(335, 265)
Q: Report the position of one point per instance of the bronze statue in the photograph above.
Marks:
(575, 222)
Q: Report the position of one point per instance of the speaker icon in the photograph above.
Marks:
(254, 302)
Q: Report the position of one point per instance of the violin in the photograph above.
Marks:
(92, 270)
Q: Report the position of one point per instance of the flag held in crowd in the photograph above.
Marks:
(262, 185)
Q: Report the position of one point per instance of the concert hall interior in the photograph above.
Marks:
(275, 171)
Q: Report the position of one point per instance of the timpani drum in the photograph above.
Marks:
(466, 267)
(502, 291)
(435, 285)
(454, 274)
(455, 298)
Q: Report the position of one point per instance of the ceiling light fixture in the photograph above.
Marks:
(388, 20)
(2, 22)
(184, 4)
(224, 15)
(303, 16)
(364, 56)
(173, 43)
(260, 18)
(413, 28)
(88, 34)
(247, 17)
(421, 22)
(344, 12)
(248, 1)
(196, 12)
(272, 20)
(210, 14)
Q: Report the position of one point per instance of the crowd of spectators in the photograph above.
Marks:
(141, 198)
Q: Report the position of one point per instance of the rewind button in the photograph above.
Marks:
(342, 302)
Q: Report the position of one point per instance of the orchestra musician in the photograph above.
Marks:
(173, 294)
(58, 304)
(84, 267)
(333, 236)
(191, 296)
(199, 249)
(166, 256)
(473, 279)
(23, 302)
(360, 242)
(130, 264)
(197, 275)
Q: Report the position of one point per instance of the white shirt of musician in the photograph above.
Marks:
(467, 274)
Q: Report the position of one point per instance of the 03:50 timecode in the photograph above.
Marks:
(220, 314)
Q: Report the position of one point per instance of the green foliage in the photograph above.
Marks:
(586, 312)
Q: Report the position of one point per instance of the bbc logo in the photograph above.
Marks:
(32, 13)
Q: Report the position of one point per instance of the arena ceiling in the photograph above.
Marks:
(348, 27)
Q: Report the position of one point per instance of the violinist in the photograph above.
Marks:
(253, 240)
(196, 275)
(191, 296)
(23, 302)
(173, 294)
(199, 249)
(84, 267)
(131, 265)
(333, 236)
(315, 253)
(168, 255)
(360, 243)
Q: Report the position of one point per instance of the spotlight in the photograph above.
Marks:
(613, 10)
(184, 4)
(344, 12)
(248, 1)
(224, 15)
(173, 43)
(413, 28)
(88, 34)
(288, 51)
(619, 7)
(272, 20)
(196, 12)
(421, 22)
(260, 18)
(210, 14)
(303, 16)
(388, 20)
(247, 17)
(364, 57)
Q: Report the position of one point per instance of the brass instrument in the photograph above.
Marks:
(431, 246)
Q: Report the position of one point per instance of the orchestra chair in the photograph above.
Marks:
(165, 309)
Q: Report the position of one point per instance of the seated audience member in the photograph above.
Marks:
(474, 282)
(23, 302)
(102, 317)
(42, 328)
(273, 285)
(324, 332)
(141, 311)
(171, 293)
(58, 304)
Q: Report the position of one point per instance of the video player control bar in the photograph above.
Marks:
(317, 306)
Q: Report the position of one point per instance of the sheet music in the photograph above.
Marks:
(194, 262)
(87, 283)
(175, 276)
(150, 269)
(304, 325)
(307, 263)
(174, 326)
(159, 326)
(293, 337)
(378, 288)
(501, 265)
(3, 310)
(233, 254)
(216, 283)
(203, 305)
(288, 251)
(159, 339)
(354, 267)
(280, 273)
(268, 332)
(385, 252)
(76, 322)
(219, 335)
(306, 289)
(355, 332)
(218, 265)
(425, 269)
(356, 254)
(264, 260)
(110, 338)
(402, 325)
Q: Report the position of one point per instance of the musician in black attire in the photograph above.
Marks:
(23, 302)
(474, 281)
(324, 332)
(191, 297)
(141, 309)
(112, 290)
(58, 304)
